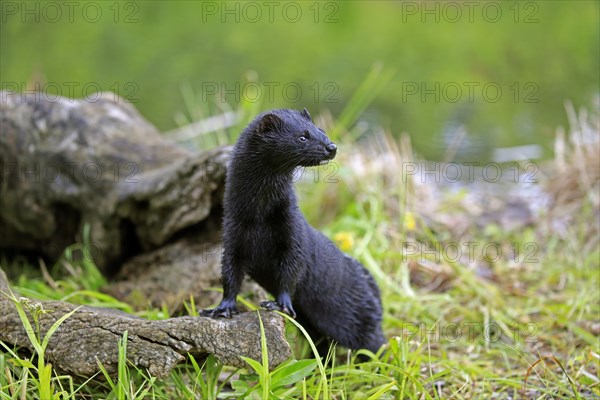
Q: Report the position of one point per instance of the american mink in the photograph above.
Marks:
(266, 236)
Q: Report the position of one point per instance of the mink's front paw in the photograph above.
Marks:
(224, 310)
(216, 313)
(283, 304)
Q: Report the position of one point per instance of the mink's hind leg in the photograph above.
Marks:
(321, 343)
(283, 304)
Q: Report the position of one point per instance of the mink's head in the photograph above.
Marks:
(288, 139)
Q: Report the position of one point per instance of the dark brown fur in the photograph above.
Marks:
(267, 237)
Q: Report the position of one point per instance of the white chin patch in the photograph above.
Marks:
(323, 162)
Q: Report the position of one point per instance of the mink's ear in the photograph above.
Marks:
(270, 123)
(305, 114)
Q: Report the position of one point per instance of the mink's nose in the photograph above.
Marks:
(332, 148)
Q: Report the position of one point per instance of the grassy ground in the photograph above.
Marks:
(523, 324)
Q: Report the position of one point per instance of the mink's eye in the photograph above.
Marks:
(304, 137)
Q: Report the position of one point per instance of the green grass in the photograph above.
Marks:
(33, 375)
(523, 329)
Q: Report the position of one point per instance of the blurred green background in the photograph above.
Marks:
(502, 70)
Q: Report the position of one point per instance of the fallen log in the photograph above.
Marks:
(66, 164)
(90, 336)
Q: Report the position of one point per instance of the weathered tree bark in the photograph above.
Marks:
(67, 163)
(90, 336)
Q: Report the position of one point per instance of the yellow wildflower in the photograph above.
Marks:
(345, 240)
(410, 224)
